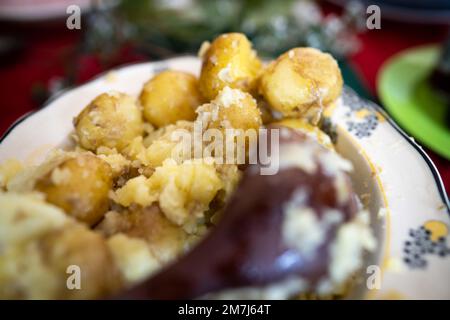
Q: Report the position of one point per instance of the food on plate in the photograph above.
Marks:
(8, 170)
(306, 233)
(170, 96)
(183, 191)
(300, 82)
(231, 109)
(77, 183)
(159, 145)
(231, 62)
(111, 120)
(142, 187)
(133, 258)
(307, 128)
(164, 240)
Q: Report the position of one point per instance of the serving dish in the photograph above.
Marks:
(393, 177)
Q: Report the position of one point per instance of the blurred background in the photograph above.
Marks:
(40, 55)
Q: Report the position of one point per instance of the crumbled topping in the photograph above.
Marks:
(332, 163)
(60, 176)
(213, 59)
(280, 290)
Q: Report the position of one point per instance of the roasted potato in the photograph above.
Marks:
(170, 96)
(76, 245)
(111, 120)
(133, 258)
(229, 61)
(183, 191)
(300, 82)
(232, 108)
(79, 185)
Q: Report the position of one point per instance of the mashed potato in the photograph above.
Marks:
(170, 96)
(229, 62)
(183, 191)
(300, 82)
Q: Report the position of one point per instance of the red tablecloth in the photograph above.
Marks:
(46, 50)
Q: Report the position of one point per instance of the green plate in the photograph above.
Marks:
(405, 93)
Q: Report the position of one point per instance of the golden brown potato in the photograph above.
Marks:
(76, 245)
(232, 108)
(229, 61)
(80, 186)
(170, 96)
(300, 82)
(111, 120)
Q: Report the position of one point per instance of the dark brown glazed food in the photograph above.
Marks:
(248, 248)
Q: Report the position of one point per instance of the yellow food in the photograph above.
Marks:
(300, 82)
(8, 170)
(133, 194)
(133, 258)
(231, 109)
(309, 130)
(80, 186)
(42, 248)
(160, 144)
(229, 61)
(183, 191)
(170, 96)
(111, 120)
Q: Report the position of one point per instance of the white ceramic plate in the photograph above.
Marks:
(392, 173)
